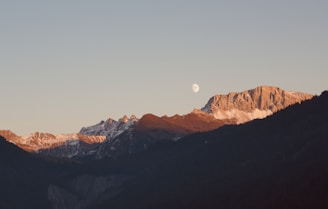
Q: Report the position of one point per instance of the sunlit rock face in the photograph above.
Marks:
(252, 104)
(38, 141)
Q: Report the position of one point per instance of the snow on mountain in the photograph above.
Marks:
(110, 128)
(39, 141)
(252, 104)
(87, 142)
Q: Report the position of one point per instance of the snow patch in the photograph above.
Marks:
(110, 128)
(241, 116)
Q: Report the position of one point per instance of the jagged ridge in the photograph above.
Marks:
(252, 104)
(38, 141)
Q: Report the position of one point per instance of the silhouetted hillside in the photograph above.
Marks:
(278, 162)
(24, 177)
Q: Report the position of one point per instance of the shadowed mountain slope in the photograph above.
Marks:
(25, 177)
(20, 178)
(278, 162)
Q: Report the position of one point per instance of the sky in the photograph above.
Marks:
(68, 64)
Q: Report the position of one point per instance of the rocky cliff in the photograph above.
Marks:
(252, 104)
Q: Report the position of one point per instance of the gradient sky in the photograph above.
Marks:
(68, 64)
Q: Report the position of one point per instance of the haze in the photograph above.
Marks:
(69, 64)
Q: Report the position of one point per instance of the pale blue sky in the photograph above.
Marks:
(68, 64)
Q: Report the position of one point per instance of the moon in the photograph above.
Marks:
(195, 88)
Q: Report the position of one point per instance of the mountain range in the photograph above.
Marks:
(276, 162)
(129, 135)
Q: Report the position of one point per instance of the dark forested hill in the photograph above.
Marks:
(278, 162)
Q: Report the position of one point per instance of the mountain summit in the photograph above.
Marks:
(252, 104)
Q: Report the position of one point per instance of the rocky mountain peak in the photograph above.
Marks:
(124, 119)
(252, 104)
(38, 140)
(133, 118)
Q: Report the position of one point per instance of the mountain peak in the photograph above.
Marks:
(110, 128)
(38, 140)
(252, 104)
(126, 119)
